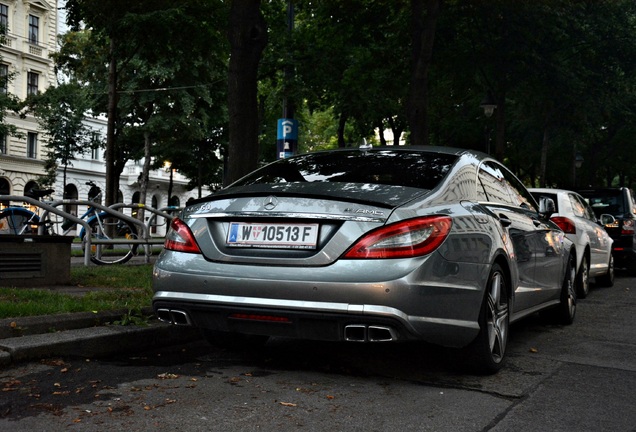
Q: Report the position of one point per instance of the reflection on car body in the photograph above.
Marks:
(413, 243)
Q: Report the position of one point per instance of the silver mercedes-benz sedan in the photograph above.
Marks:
(373, 244)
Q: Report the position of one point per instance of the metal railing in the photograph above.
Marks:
(144, 237)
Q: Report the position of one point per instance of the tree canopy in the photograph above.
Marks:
(195, 81)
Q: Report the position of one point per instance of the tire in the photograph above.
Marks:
(111, 228)
(565, 312)
(607, 280)
(234, 341)
(16, 221)
(486, 354)
(583, 279)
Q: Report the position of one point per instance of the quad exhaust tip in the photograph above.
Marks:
(369, 333)
(174, 316)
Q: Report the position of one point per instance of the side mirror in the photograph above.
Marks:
(546, 206)
(607, 219)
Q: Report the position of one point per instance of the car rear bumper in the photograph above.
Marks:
(624, 256)
(318, 321)
(438, 307)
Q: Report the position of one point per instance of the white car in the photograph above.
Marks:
(593, 245)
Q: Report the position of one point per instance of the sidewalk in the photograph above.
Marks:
(83, 334)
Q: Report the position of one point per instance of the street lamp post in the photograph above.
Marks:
(578, 162)
(489, 105)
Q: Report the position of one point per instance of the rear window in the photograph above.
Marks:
(387, 167)
(606, 201)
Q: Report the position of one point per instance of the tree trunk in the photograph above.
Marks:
(145, 175)
(342, 121)
(544, 157)
(111, 178)
(248, 37)
(500, 129)
(424, 15)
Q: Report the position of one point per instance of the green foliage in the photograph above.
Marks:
(60, 112)
(562, 71)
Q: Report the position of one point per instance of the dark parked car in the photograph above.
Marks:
(620, 203)
(368, 245)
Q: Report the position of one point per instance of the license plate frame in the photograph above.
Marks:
(273, 235)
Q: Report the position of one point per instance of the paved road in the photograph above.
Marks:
(575, 378)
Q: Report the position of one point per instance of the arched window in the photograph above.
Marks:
(154, 204)
(5, 189)
(30, 185)
(71, 193)
(135, 200)
(174, 201)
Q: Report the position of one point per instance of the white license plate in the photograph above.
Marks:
(272, 235)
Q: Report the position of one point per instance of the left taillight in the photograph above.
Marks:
(180, 238)
(406, 239)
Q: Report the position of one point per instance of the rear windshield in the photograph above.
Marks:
(387, 167)
(606, 201)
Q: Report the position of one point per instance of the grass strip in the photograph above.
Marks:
(125, 287)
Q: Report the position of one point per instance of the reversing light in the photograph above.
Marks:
(406, 239)
(566, 225)
(180, 238)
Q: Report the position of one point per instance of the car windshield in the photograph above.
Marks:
(608, 202)
(423, 170)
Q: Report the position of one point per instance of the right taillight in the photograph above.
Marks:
(406, 239)
(180, 238)
(566, 225)
(628, 227)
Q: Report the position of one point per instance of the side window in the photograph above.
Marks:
(500, 185)
(588, 210)
(578, 208)
(518, 191)
(492, 181)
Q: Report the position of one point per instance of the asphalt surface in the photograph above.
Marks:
(83, 334)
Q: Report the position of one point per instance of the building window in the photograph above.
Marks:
(3, 144)
(4, 18)
(32, 83)
(4, 78)
(32, 145)
(34, 29)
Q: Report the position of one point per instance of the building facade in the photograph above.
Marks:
(30, 30)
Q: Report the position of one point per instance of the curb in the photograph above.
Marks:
(88, 342)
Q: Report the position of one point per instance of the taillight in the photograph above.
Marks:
(180, 238)
(411, 238)
(566, 225)
(628, 227)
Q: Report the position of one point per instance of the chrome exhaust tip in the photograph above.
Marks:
(173, 316)
(366, 333)
(164, 315)
(355, 333)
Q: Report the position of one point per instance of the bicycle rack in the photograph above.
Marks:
(144, 239)
(149, 240)
(51, 209)
(102, 208)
